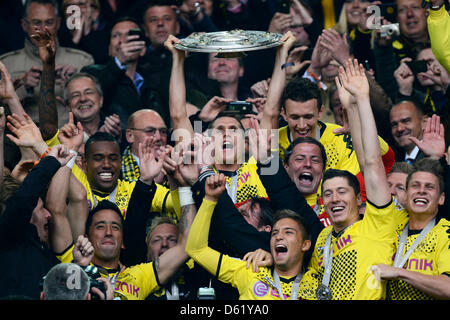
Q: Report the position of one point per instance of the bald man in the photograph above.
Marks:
(141, 124)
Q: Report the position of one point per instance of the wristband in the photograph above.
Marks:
(71, 162)
(185, 195)
(42, 156)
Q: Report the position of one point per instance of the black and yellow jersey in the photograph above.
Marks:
(251, 285)
(430, 257)
(133, 283)
(340, 152)
(164, 200)
(365, 243)
(247, 183)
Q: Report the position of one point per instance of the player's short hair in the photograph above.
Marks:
(103, 205)
(96, 137)
(350, 177)
(431, 166)
(310, 140)
(301, 90)
(286, 213)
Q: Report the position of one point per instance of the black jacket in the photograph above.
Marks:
(24, 259)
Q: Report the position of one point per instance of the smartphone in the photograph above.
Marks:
(138, 32)
(240, 107)
(417, 66)
(284, 6)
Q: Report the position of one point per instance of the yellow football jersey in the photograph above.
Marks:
(246, 183)
(339, 149)
(430, 257)
(135, 283)
(365, 243)
(164, 200)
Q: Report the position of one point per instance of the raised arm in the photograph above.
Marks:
(171, 260)
(8, 94)
(177, 88)
(354, 80)
(61, 234)
(277, 83)
(197, 242)
(48, 114)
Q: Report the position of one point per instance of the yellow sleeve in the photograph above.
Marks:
(166, 201)
(66, 256)
(53, 141)
(197, 243)
(439, 31)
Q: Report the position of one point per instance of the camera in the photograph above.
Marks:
(389, 30)
(93, 274)
(417, 66)
(240, 107)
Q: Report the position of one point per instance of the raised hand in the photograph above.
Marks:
(46, 43)
(260, 88)
(320, 57)
(354, 79)
(259, 142)
(25, 133)
(213, 107)
(189, 153)
(433, 141)
(83, 251)
(170, 45)
(149, 165)
(7, 91)
(71, 135)
(336, 44)
(214, 187)
(296, 56)
(404, 77)
(130, 49)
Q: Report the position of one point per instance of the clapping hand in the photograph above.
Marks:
(150, 165)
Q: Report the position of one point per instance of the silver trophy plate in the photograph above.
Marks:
(229, 41)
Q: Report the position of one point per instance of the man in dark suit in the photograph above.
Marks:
(407, 120)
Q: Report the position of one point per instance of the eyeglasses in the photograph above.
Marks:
(151, 131)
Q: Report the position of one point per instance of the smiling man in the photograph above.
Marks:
(305, 162)
(288, 243)
(301, 107)
(407, 120)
